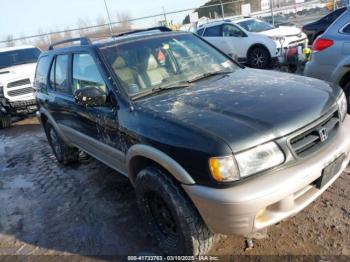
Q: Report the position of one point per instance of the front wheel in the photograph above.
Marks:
(174, 222)
(259, 57)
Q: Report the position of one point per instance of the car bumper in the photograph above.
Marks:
(317, 70)
(266, 200)
(23, 107)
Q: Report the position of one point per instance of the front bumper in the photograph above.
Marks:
(266, 200)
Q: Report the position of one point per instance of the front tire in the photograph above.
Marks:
(64, 154)
(173, 220)
(259, 57)
(5, 121)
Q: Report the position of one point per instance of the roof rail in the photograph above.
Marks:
(160, 28)
(83, 41)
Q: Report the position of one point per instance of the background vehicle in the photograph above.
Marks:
(285, 37)
(210, 146)
(17, 68)
(314, 29)
(255, 50)
(330, 59)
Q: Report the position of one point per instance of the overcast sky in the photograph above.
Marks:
(26, 17)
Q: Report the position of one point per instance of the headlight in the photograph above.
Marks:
(259, 159)
(224, 169)
(342, 105)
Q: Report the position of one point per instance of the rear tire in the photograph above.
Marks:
(5, 121)
(259, 57)
(64, 154)
(173, 220)
(347, 94)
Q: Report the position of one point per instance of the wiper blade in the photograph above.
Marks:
(206, 75)
(159, 89)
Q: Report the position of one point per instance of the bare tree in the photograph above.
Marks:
(124, 24)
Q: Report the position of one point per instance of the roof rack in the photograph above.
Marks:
(83, 41)
(160, 28)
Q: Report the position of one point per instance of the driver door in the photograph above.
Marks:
(97, 124)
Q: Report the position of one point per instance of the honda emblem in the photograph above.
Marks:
(323, 133)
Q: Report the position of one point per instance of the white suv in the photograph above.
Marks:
(253, 49)
(285, 37)
(17, 69)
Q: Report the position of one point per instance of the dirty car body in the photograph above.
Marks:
(248, 148)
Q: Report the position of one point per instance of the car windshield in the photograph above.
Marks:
(255, 25)
(18, 57)
(164, 62)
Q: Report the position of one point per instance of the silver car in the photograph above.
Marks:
(330, 59)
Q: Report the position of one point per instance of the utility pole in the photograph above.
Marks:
(109, 18)
(165, 19)
(272, 17)
(222, 10)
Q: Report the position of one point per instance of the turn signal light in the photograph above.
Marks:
(321, 44)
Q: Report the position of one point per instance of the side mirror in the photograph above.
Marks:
(90, 96)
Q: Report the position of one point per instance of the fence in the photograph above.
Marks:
(274, 11)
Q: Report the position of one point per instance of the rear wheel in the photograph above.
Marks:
(259, 57)
(347, 94)
(174, 222)
(5, 121)
(64, 154)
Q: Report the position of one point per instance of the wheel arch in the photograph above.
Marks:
(345, 79)
(140, 156)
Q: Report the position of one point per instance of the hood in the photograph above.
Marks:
(283, 31)
(14, 72)
(247, 107)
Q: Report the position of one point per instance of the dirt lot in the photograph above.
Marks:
(88, 210)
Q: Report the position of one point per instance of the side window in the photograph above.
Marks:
(42, 68)
(59, 74)
(231, 30)
(85, 73)
(213, 31)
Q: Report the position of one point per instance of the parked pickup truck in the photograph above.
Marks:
(210, 146)
(17, 68)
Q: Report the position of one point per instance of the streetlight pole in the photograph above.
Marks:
(109, 18)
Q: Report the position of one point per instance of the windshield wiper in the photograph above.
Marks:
(209, 74)
(160, 89)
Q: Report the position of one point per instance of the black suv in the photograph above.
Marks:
(210, 146)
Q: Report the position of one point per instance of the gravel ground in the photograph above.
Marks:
(90, 210)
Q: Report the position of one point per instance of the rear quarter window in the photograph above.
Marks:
(42, 69)
(346, 29)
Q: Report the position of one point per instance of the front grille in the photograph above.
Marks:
(22, 91)
(19, 83)
(310, 141)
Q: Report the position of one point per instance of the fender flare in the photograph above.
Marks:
(169, 164)
(50, 119)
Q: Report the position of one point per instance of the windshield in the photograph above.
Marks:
(255, 25)
(164, 62)
(18, 57)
